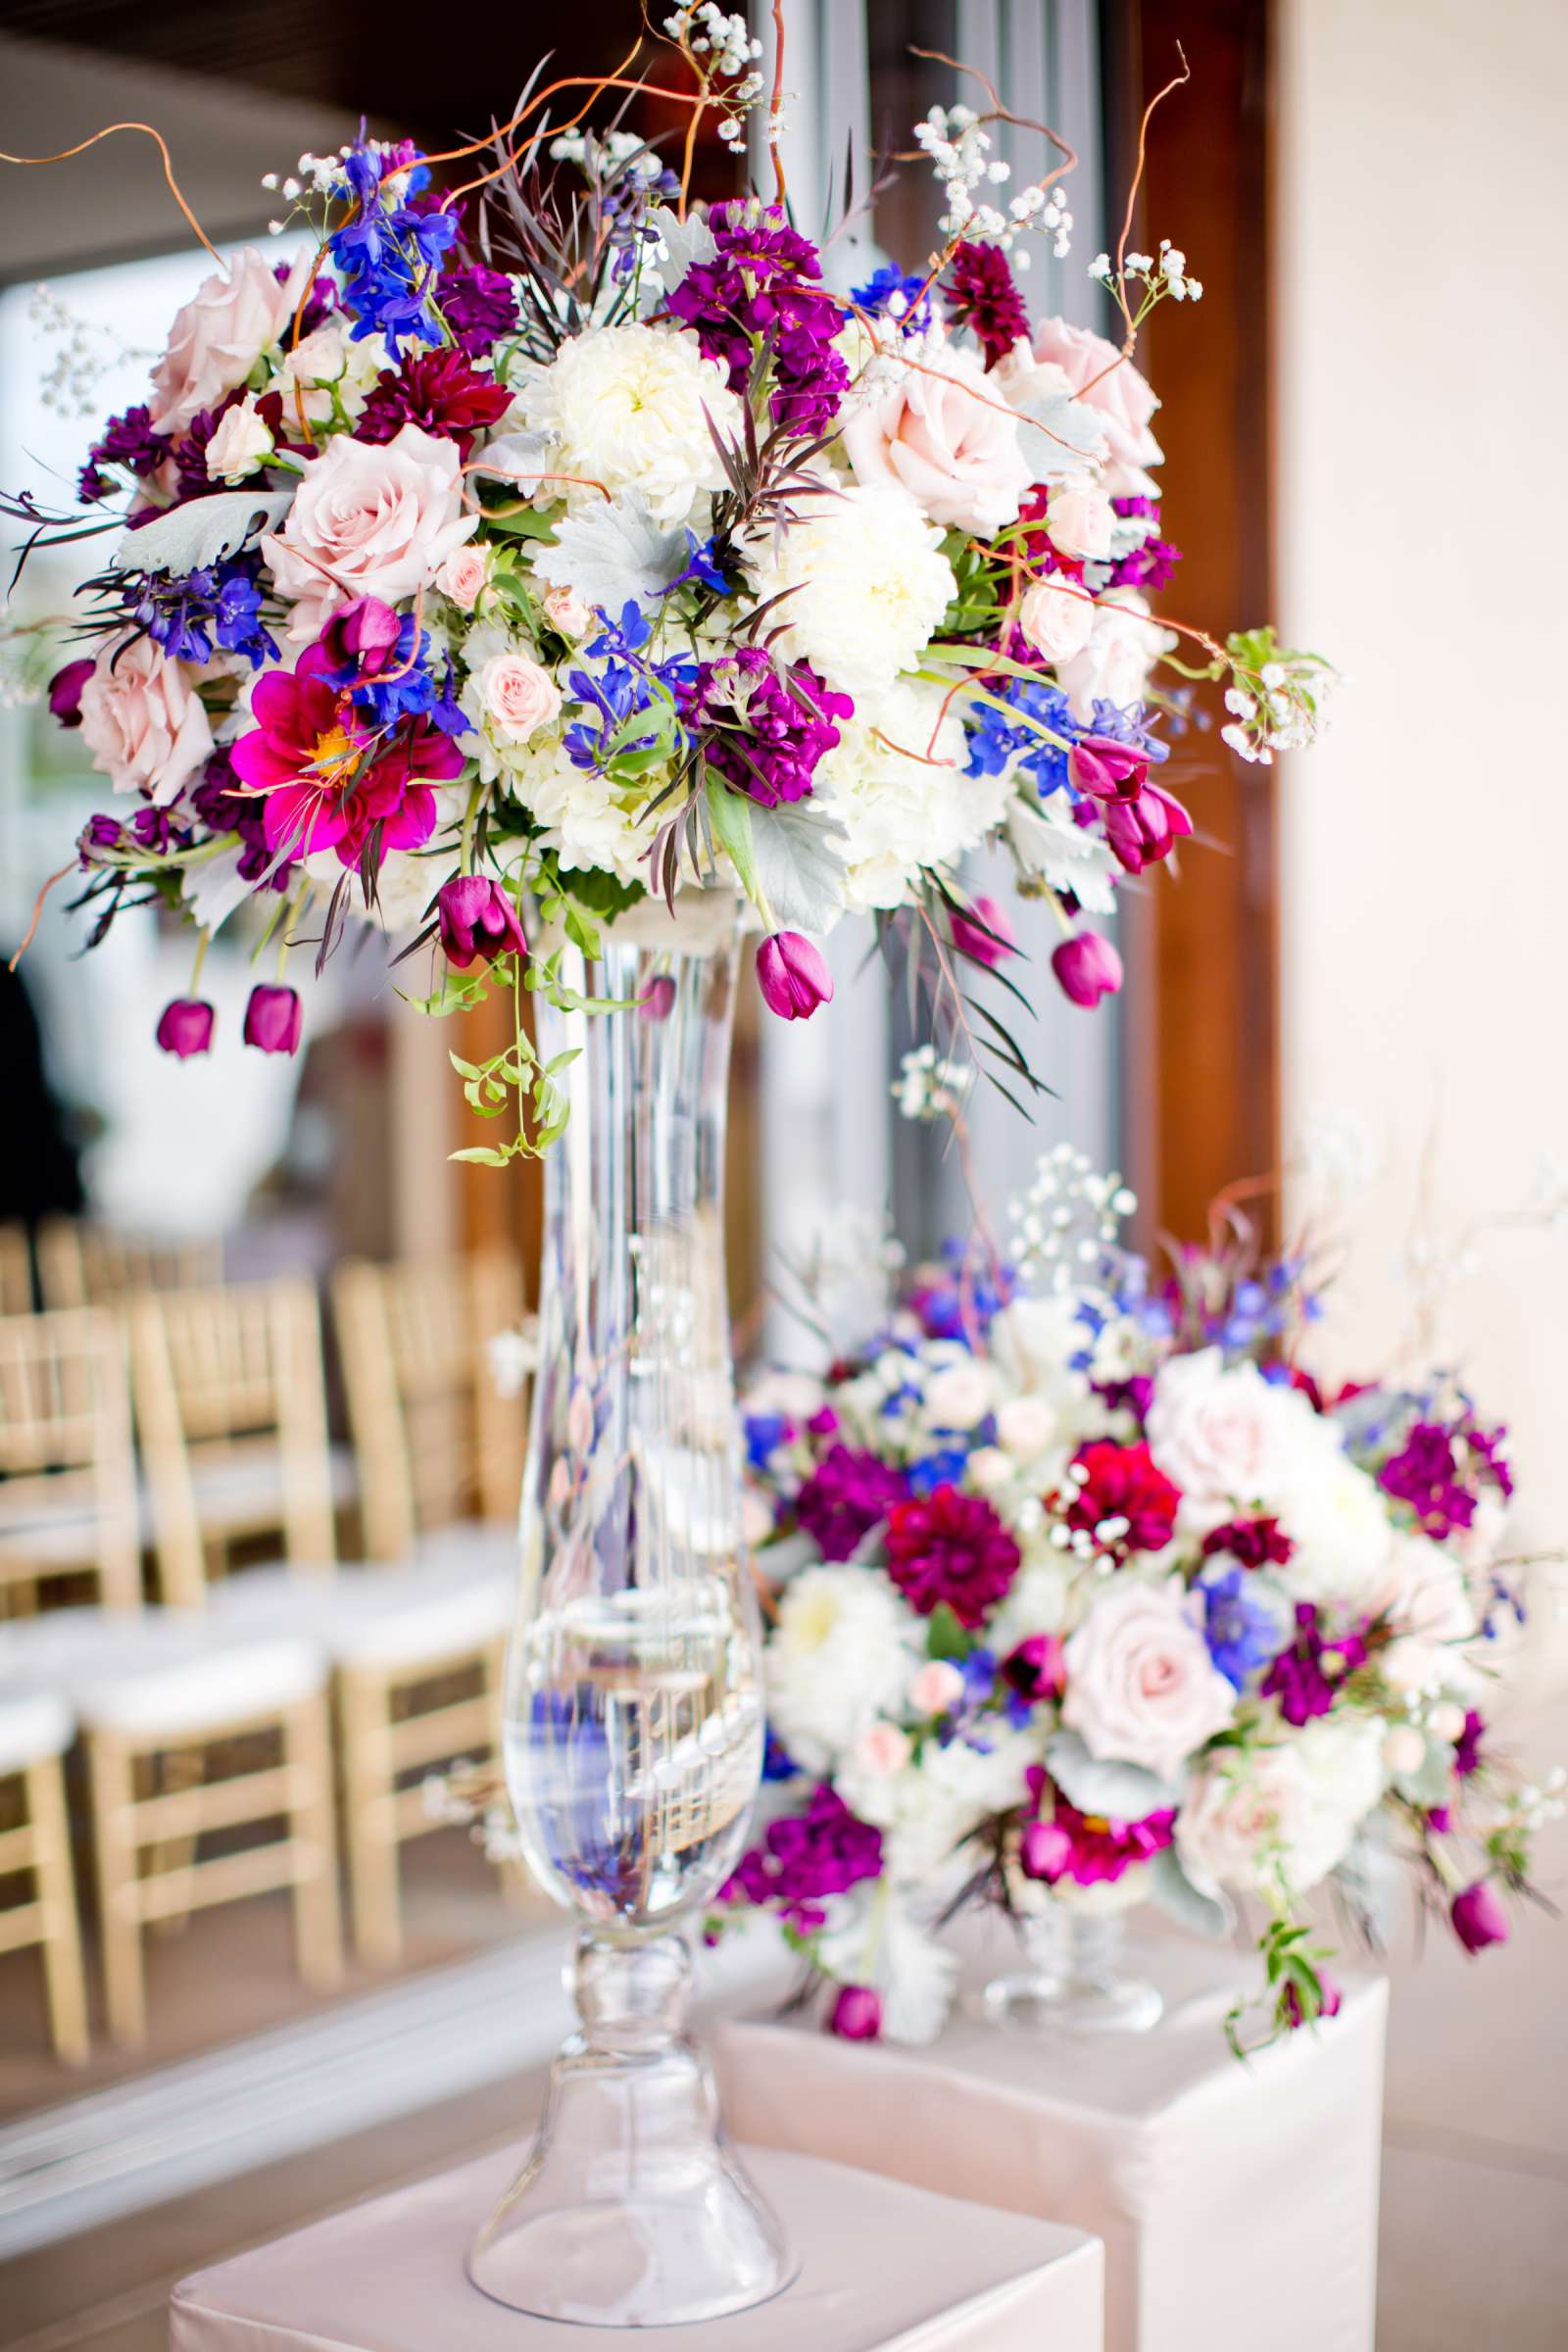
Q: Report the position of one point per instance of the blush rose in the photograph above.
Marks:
(143, 721)
(1119, 396)
(218, 336)
(1142, 1688)
(369, 518)
(941, 434)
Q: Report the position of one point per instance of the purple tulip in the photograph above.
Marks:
(360, 638)
(1045, 1849)
(1106, 770)
(272, 1020)
(65, 692)
(984, 934)
(792, 976)
(185, 1027)
(477, 921)
(1330, 2000)
(1143, 830)
(1037, 1669)
(1478, 1917)
(658, 999)
(856, 2012)
(1087, 968)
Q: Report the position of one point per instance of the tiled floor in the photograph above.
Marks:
(1475, 2180)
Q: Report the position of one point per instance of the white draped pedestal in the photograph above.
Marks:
(1238, 2203)
(883, 2269)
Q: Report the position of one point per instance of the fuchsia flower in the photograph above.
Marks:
(185, 1027)
(1330, 2001)
(477, 922)
(330, 782)
(793, 976)
(1079, 1846)
(847, 1496)
(950, 1549)
(1143, 822)
(1478, 1917)
(358, 640)
(984, 933)
(856, 2012)
(272, 1020)
(1087, 967)
(1038, 1668)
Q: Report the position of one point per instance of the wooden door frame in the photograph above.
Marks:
(1200, 1064)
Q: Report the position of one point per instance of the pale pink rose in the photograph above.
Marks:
(1056, 616)
(948, 439)
(1026, 1425)
(1115, 662)
(960, 1395)
(218, 336)
(1080, 521)
(883, 1750)
(464, 575)
(519, 697)
(1142, 1688)
(367, 520)
(1229, 1438)
(565, 610)
(143, 721)
(242, 443)
(1113, 388)
(937, 1688)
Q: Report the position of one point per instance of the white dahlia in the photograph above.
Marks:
(864, 584)
(628, 408)
(898, 789)
(842, 1651)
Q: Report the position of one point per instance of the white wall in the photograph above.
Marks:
(1423, 521)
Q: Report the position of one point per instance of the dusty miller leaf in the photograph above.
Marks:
(614, 554)
(1182, 1901)
(1116, 1792)
(686, 243)
(200, 531)
(1063, 437)
(799, 864)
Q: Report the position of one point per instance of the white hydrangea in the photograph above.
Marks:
(865, 584)
(587, 823)
(1338, 1524)
(842, 1652)
(926, 1811)
(629, 407)
(1257, 1818)
(902, 799)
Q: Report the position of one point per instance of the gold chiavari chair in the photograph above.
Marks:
(35, 1730)
(83, 1264)
(16, 1270)
(440, 1465)
(154, 1692)
(68, 1487)
(231, 1411)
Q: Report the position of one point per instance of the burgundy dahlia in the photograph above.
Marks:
(846, 1496)
(980, 293)
(950, 1548)
(1252, 1543)
(438, 391)
(1123, 1482)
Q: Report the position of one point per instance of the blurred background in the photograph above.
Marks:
(1354, 985)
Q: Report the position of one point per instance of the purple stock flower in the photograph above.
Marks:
(856, 2012)
(793, 976)
(479, 308)
(847, 1496)
(65, 691)
(185, 1027)
(763, 728)
(765, 281)
(1298, 1679)
(272, 1020)
(224, 806)
(129, 442)
(804, 1858)
(477, 922)
(1478, 1917)
(1427, 1475)
(1467, 1747)
(1149, 566)
(1087, 967)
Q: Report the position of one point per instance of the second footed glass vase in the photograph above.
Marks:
(633, 1735)
(1076, 1978)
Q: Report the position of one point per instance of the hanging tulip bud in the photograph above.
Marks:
(1087, 968)
(272, 1020)
(793, 977)
(984, 934)
(185, 1027)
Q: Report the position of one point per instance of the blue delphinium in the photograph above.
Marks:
(391, 254)
(1241, 1626)
(217, 608)
(889, 293)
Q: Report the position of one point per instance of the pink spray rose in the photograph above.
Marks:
(368, 518)
(220, 335)
(519, 696)
(142, 720)
(1056, 616)
(949, 440)
(1113, 388)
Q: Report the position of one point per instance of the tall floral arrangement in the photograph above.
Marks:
(534, 540)
(1087, 1593)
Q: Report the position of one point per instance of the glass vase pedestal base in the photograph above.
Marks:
(632, 2210)
(1074, 1982)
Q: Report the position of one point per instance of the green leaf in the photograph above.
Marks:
(483, 1155)
(945, 1635)
(731, 816)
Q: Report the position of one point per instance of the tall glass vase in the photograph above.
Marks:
(633, 1736)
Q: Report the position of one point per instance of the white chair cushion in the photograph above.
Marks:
(33, 1724)
(163, 1673)
(387, 1617)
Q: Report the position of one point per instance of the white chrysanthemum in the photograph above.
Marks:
(903, 796)
(842, 1652)
(628, 407)
(1255, 1819)
(866, 586)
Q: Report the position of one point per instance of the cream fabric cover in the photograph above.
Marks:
(883, 2269)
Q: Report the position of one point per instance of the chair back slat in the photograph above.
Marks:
(83, 1264)
(68, 1486)
(16, 1270)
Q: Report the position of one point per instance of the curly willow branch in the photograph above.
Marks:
(161, 145)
